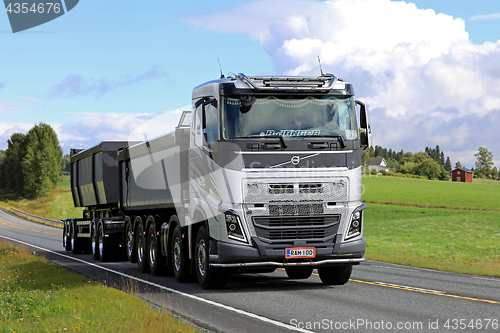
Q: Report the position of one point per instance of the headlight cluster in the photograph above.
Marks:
(355, 225)
(233, 227)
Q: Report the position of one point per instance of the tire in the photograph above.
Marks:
(94, 244)
(208, 277)
(103, 245)
(140, 240)
(155, 261)
(298, 273)
(335, 275)
(179, 259)
(130, 249)
(75, 242)
(66, 240)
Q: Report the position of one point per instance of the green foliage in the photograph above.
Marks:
(32, 163)
(11, 176)
(66, 165)
(458, 165)
(495, 173)
(367, 156)
(484, 162)
(447, 164)
(421, 164)
(430, 164)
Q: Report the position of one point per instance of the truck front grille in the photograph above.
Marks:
(276, 229)
(296, 209)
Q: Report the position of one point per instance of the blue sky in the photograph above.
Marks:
(104, 68)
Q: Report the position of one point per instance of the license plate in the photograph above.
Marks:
(300, 252)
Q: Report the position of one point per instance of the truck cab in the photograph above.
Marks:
(275, 174)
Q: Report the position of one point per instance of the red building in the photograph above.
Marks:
(461, 175)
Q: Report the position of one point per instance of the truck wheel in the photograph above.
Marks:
(179, 260)
(141, 249)
(130, 244)
(75, 242)
(298, 272)
(208, 277)
(94, 244)
(156, 265)
(103, 244)
(335, 275)
(66, 240)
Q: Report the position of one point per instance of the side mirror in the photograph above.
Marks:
(365, 126)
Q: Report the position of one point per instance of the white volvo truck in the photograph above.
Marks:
(263, 172)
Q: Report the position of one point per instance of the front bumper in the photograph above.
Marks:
(267, 255)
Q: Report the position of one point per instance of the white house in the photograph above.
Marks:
(377, 164)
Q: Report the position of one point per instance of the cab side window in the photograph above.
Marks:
(210, 124)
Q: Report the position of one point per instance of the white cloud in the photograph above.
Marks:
(89, 129)
(7, 129)
(423, 79)
(485, 17)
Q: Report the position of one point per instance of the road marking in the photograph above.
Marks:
(425, 291)
(412, 288)
(15, 226)
(481, 278)
(175, 291)
(400, 269)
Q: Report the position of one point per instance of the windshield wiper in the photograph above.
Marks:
(338, 136)
(280, 137)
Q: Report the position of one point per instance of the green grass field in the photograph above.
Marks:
(464, 240)
(36, 296)
(431, 193)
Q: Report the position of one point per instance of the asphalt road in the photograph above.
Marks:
(379, 297)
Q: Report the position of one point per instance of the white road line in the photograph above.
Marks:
(226, 307)
(481, 278)
(400, 269)
(407, 287)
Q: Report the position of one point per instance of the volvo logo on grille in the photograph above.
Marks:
(295, 160)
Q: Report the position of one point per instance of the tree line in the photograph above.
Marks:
(432, 162)
(32, 163)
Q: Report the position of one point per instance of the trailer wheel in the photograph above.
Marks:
(141, 249)
(103, 243)
(179, 260)
(156, 265)
(75, 242)
(94, 244)
(298, 272)
(208, 277)
(335, 275)
(130, 244)
(66, 241)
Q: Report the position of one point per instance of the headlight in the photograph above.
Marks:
(355, 225)
(233, 227)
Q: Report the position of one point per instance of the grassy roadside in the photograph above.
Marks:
(36, 296)
(56, 206)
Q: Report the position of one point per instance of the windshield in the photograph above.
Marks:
(293, 117)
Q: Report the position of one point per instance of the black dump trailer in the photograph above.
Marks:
(95, 186)
(135, 196)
